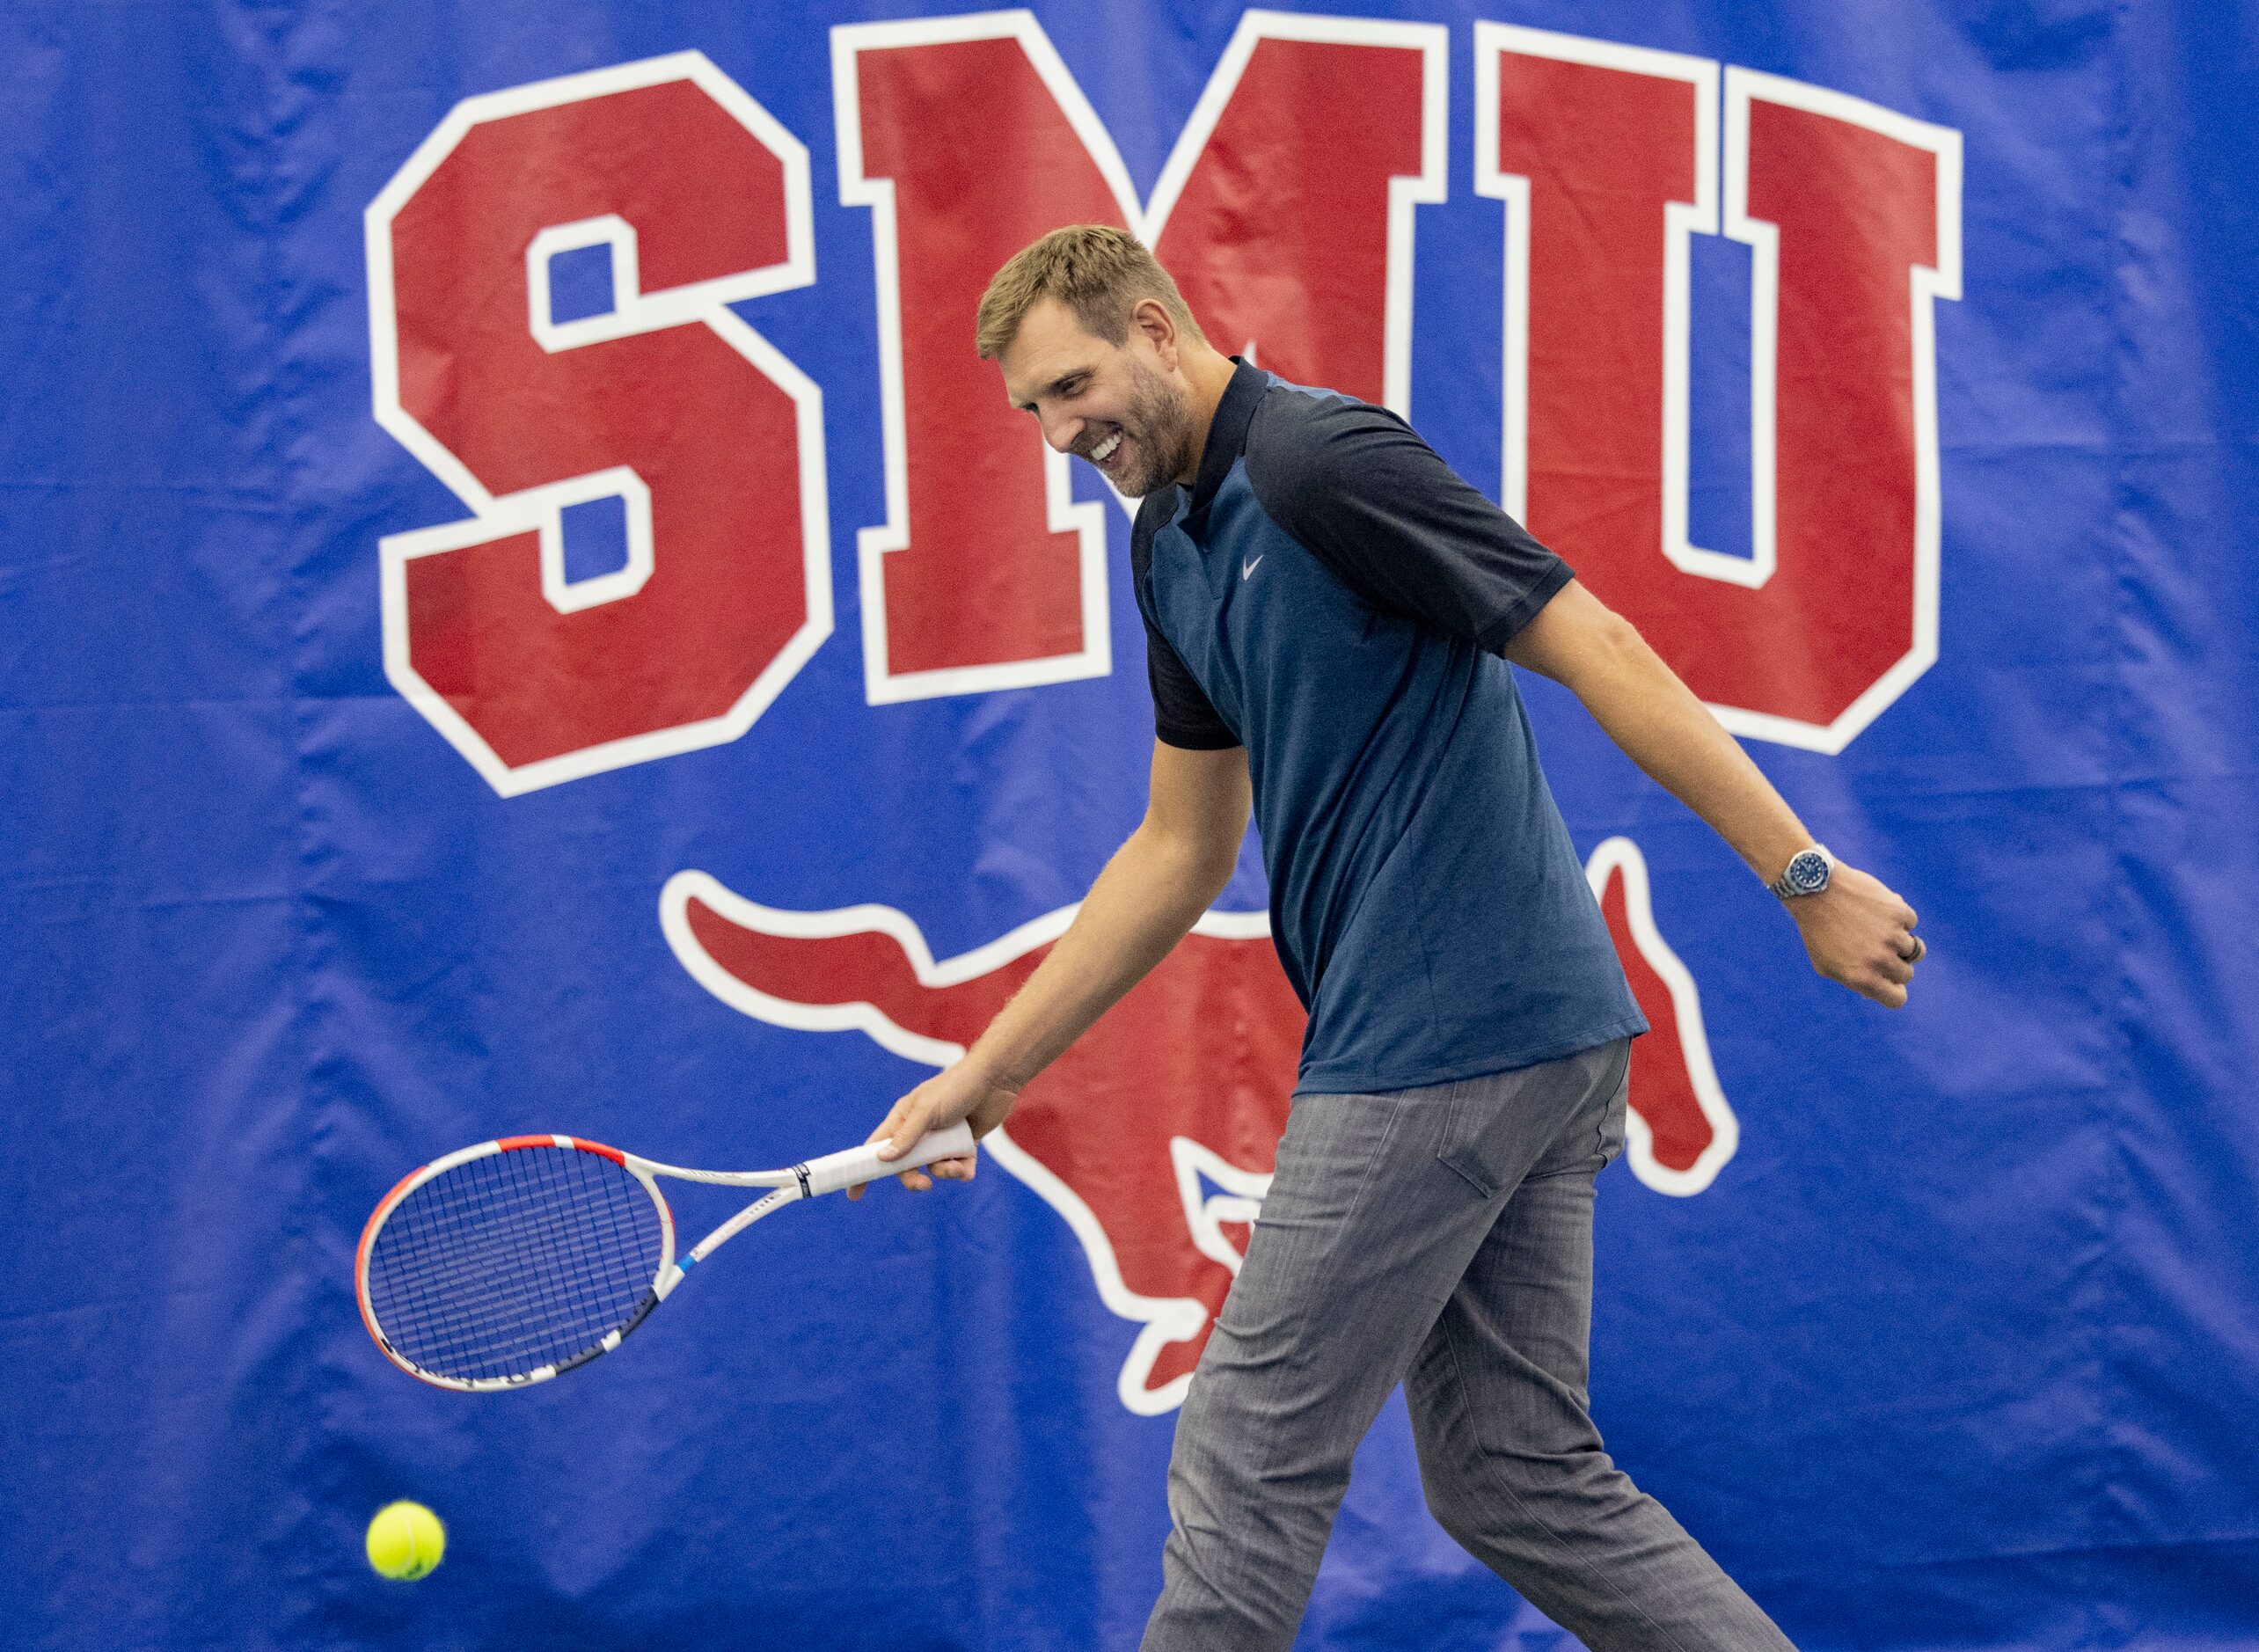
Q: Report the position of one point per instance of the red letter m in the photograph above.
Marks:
(1285, 211)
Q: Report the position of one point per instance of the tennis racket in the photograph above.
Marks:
(506, 1263)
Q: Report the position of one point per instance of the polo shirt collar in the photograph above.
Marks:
(1227, 432)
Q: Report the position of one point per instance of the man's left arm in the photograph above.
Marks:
(1858, 930)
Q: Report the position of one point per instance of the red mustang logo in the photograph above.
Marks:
(1154, 1136)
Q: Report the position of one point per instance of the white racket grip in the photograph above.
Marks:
(834, 1171)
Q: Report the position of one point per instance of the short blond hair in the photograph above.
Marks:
(1101, 272)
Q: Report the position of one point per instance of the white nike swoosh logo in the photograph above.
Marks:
(1246, 568)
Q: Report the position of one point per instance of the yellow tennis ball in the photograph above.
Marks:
(405, 1540)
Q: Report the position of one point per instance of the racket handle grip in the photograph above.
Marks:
(834, 1171)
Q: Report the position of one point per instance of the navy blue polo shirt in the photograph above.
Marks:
(1334, 597)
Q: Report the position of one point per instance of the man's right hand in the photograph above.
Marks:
(1153, 889)
(956, 1092)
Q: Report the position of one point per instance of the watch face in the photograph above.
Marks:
(1807, 872)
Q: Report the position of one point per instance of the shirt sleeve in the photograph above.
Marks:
(1183, 716)
(1183, 712)
(1380, 508)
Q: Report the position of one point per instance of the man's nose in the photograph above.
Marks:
(1061, 431)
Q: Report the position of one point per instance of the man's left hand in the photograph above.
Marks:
(1860, 933)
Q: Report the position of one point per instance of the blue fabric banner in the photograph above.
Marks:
(521, 610)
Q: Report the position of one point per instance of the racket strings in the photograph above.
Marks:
(519, 1268)
(513, 1261)
(560, 1294)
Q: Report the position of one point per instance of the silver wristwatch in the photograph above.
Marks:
(1808, 873)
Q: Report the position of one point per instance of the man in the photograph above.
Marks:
(1326, 604)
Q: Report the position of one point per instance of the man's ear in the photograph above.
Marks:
(1151, 317)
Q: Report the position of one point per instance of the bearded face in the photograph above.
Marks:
(1148, 443)
(1114, 404)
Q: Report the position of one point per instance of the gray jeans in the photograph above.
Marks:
(1441, 1238)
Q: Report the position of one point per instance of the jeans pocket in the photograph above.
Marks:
(1610, 1144)
(1466, 1125)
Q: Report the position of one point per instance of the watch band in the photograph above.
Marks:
(1807, 872)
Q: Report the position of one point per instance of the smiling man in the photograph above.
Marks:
(1329, 610)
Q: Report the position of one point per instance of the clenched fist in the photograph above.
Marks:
(1860, 933)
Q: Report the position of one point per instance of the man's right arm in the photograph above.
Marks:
(1150, 894)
